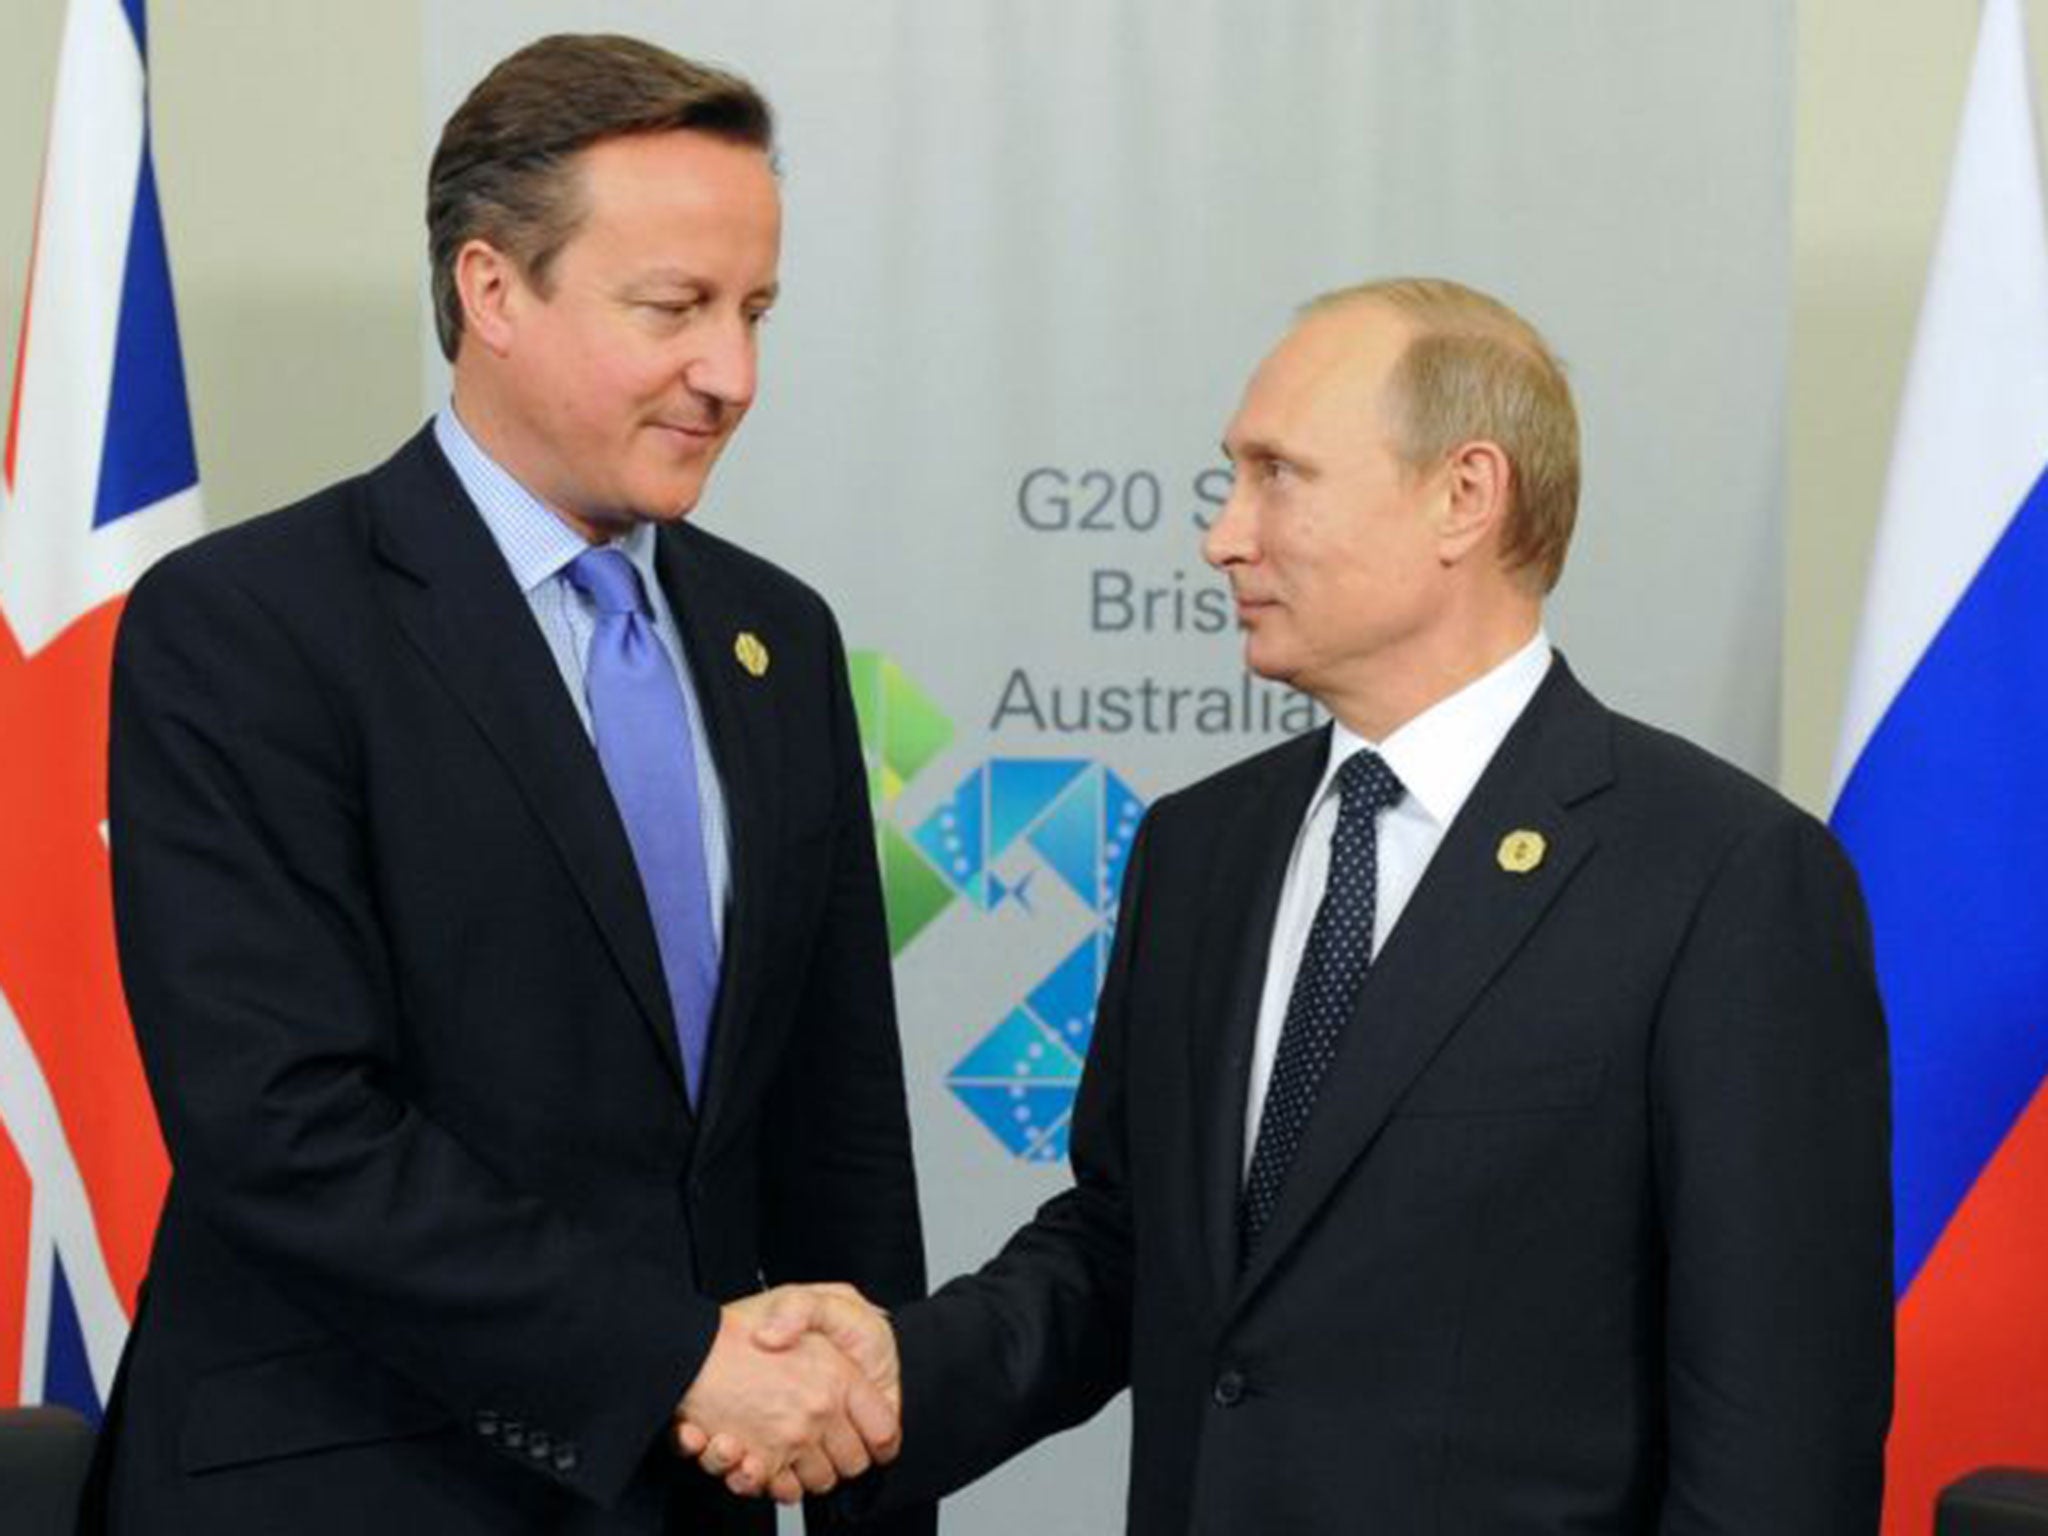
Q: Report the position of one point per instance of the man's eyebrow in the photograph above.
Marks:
(682, 277)
(674, 277)
(1253, 448)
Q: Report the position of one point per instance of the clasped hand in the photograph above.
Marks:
(801, 1389)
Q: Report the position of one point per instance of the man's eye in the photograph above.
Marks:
(756, 318)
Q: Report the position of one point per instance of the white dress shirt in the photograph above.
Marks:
(1438, 756)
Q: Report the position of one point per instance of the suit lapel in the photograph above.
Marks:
(738, 711)
(1462, 926)
(1238, 910)
(450, 591)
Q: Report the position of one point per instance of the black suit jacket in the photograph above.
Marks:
(1590, 1231)
(444, 1242)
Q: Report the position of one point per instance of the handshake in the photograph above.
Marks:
(801, 1389)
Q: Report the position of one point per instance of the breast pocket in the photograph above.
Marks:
(1551, 1087)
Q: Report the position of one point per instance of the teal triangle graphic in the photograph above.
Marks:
(1069, 839)
(951, 836)
(1019, 789)
(1018, 1050)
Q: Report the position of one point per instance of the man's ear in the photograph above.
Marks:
(488, 283)
(1478, 484)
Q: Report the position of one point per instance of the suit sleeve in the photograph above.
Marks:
(264, 1001)
(840, 1196)
(1039, 1339)
(1771, 1135)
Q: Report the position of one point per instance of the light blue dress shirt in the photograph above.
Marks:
(538, 547)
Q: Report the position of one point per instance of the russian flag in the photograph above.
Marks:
(1942, 801)
(99, 479)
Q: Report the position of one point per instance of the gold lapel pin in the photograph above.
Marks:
(751, 653)
(1521, 851)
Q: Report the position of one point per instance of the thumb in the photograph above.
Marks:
(791, 1313)
(860, 1333)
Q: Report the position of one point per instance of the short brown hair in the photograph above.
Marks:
(1475, 369)
(503, 171)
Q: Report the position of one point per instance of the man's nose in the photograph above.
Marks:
(1231, 538)
(724, 365)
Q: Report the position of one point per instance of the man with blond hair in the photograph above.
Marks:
(1485, 1126)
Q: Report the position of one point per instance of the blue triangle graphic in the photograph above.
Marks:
(1022, 1119)
(1065, 1000)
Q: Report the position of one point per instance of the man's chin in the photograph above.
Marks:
(1273, 668)
(669, 503)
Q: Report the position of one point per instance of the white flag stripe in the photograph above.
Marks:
(35, 1329)
(60, 1218)
(89, 179)
(1972, 436)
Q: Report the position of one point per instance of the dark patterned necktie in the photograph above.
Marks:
(1333, 967)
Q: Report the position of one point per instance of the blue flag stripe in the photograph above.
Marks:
(67, 1373)
(1944, 816)
(147, 454)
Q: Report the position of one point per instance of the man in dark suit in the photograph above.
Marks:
(497, 899)
(1485, 1128)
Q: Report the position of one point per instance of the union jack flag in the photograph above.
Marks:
(99, 479)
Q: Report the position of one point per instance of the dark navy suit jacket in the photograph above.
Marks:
(1590, 1231)
(445, 1243)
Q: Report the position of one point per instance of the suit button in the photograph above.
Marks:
(515, 1434)
(537, 1446)
(565, 1459)
(487, 1424)
(1229, 1390)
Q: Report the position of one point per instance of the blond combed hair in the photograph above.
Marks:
(1475, 370)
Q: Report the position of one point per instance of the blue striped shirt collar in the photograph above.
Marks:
(535, 542)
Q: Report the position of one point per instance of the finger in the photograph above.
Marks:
(691, 1441)
(785, 1489)
(814, 1470)
(876, 1420)
(749, 1476)
(845, 1449)
(722, 1453)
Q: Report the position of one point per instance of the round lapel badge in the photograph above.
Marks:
(1521, 851)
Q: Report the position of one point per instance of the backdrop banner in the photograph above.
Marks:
(1033, 250)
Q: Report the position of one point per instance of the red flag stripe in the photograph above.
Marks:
(1973, 1337)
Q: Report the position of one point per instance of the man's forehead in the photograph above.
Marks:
(1332, 360)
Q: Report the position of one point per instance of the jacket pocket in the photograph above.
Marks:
(290, 1404)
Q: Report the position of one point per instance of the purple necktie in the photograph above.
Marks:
(644, 741)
